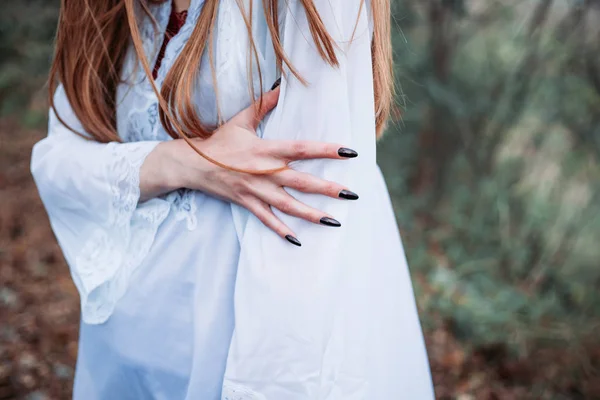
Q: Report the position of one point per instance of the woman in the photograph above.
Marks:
(179, 187)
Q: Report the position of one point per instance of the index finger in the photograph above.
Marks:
(305, 149)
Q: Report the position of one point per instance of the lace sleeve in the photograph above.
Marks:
(91, 193)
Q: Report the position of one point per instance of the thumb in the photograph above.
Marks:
(257, 111)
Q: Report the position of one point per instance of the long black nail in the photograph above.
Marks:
(348, 153)
(330, 222)
(293, 240)
(348, 195)
(277, 83)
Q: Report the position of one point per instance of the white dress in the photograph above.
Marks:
(189, 297)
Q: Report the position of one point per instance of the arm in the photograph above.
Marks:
(91, 193)
(101, 198)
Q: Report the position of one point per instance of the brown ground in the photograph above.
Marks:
(38, 302)
(39, 313)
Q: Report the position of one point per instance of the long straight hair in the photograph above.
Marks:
(93, 37)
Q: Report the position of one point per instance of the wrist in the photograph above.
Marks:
(161, 172)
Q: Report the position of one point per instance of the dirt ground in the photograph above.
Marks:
(38, 302)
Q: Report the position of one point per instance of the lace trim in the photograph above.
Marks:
(232, 391)
(111, 255)
(125, 173)
(143, 121)
(184, 205)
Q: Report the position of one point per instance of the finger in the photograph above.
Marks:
(308, 183)
(257, 111)
(287, 204)
(263, 212)
(305, 149)
(266, 103)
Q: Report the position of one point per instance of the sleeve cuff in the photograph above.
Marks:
(112, 253)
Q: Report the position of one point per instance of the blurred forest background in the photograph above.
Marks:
(494, 169)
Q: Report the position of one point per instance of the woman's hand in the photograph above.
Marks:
(175, 164)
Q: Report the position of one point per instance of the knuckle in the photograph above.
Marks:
(300, 149)
(257, 148)
(311, 216)
(331, 188)
(298, 183)
(251, 164)
(285, 207)
(240, 185)
(331, 151)
(279, 228)
(260, 149)
(271, 150)
(271, 101)
(242, 199)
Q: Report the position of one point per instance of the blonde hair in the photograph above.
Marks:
(93, 37)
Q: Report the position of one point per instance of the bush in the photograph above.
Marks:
(495, 174)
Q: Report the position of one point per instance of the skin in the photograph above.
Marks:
(181, 5)
(174, 164)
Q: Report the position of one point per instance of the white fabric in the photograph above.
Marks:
(189, 297)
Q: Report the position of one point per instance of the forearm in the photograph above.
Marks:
(161, 172)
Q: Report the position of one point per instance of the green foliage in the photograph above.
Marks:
(26, 34)
(494, 169)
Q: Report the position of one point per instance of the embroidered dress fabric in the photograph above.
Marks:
(189, 297)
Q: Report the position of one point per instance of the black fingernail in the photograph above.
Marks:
(348, 195)
(330, 222)
(348, 153)
(293, 240)
(277, 83)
